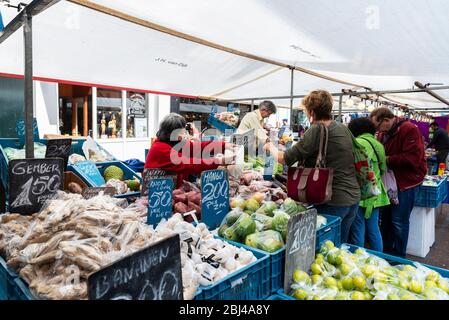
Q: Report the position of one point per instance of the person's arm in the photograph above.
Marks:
(411, 153)
(302, 150)
(382, 158)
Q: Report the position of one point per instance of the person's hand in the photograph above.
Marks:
(268, 146)
(225, 160)
(231, 146)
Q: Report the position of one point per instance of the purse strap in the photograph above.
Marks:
(322, 151)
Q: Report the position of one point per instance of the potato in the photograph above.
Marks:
(74, 187)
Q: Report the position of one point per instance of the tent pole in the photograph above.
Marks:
(430, 92)
(340, 102)
(252, 105)
(28, 60)
(292, 79)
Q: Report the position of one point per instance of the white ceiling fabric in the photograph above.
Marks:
(381, 44)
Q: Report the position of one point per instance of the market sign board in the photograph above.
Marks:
(89, 169)
(153, 273)
(59, 148)
(300, 246)
(214, 197)
(149, 174)
(32, 182)
(160, 200)
(89, 193)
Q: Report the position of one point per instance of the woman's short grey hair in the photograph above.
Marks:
(170, 123)
(267, 106)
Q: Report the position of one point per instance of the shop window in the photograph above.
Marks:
(109, 114)
(136, 115)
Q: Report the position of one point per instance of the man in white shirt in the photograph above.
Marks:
(255, 120)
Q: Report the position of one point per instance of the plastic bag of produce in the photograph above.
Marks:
(320, 221)
(280, 222)
(265, 221)
(267, 208)
(269, 241)
(238, 202)
(240, 229)
(233, 216)
(291, 207)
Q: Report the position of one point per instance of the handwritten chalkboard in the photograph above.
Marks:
(214, 197)
(59, 148)
(20, 130)
(300, 247)
(153, 273)
(160, 200)
(149, 174)
(32, 182)
(90, 170)
(95, 191)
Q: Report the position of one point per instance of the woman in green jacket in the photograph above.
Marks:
(367, 219)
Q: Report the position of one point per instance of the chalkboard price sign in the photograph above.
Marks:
(59, 148)
(32, 182)
(214, 197)
(95, 191)
(160, 200)
(149, 174)
(153, 273)
(300, 247)
(90, 170)
(20, 129)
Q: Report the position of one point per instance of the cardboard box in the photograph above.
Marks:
(72, 177)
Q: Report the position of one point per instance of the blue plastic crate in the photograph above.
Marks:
(393, 260)
(7, 280)
(249, 283)
(429, 196)
(128, 174)
(331, 231)
(280, 296)
(21, 291)
(220, 125)
(446, 200)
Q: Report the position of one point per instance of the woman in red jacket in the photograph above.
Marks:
(404, 148)
(173, 151)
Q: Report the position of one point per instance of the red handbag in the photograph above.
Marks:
(312, 185)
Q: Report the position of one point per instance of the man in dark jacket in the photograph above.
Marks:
(440, 141)
(404, 148)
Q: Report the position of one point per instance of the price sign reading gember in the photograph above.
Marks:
(300, 246)
(32, 182)
(214, 197)
(160, 200)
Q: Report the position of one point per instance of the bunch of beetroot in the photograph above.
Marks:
(186, 199)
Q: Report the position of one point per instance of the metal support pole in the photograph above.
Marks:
(340, 104)
(28, 60)
(252, 105)
(292, 78)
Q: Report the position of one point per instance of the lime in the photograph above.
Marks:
(347, 283)
(368, 295)
(316, 269)
(339, 260)
(430, 294)
(316, 279)
(357, 295)
(393, 296)
(433, 276)
(408, 296)
(359, 251)
(300, 294)
(330, 282)
(337, 274)
(331, 258)
(408, 268)
(329, 244)
(430, 284)
(443, 285)
(300, 276)
(368, 270)
(359, 282)
(345, 269)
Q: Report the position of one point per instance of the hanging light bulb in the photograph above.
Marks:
(349, 102)
(371, 107)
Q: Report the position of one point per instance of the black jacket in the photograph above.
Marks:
(440, 140)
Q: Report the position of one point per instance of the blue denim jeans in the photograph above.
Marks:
(395, 223)
(347, 215)
(366, 228)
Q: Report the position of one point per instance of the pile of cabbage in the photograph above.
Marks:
(261, 224)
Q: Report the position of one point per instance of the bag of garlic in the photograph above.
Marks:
(55, 250)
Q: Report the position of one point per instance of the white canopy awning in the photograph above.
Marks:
(377, 44)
